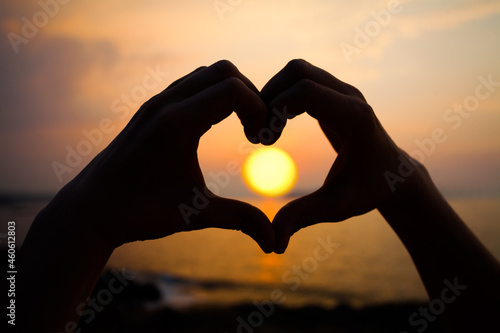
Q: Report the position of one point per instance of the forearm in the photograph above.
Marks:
(444, 249)
(60, 261)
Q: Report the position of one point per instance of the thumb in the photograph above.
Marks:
(298, 214)
(236, 215)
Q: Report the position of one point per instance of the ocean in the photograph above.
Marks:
(364, 264)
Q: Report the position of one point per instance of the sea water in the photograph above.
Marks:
(366, 264)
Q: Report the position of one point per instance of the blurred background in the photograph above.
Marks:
(74, 73)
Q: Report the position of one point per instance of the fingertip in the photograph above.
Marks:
(267, 250)
(292, 217)
(268, 141)
(282, 229)
(250, 137)
(266, 245)
(270, 133)
(255, 121)
(258, 226)
(281, 243)
(238, 215)
(281, 249)
(262, 232)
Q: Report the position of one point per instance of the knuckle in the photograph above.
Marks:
(305, 84)
(307, 89)
(298, 66)
(232, 84)
(355, 92)
(149, 107)
(199, 69)
(365, 117)
(226, 68)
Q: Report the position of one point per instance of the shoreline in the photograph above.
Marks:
(138, 308)
(137, 304)
(248, 318)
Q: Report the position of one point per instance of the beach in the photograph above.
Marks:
(137, 310)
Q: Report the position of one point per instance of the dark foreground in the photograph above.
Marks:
(131, 311)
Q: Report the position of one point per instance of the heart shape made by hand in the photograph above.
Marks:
(150, 172)
(356, 182)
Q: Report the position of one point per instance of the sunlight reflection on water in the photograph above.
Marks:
(370, 265)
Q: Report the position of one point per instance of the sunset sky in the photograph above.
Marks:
(413, 65)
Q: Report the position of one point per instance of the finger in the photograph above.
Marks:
(218, 101)
(299, 69)
(191, 84)
(334, 110)
(154, 103)
(334, 139)
(176, 82)
(298, 214)
(207, 77)
(236, 215)
(275, 124)
(293, 72)
(338, 200)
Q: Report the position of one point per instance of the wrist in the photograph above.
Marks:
(61, 256)
(415, 202)
(86, 205)
(67, 218)
(408, 182)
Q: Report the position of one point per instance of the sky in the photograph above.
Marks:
(69, 68)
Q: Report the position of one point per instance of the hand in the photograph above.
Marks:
(356, 183)
(144, 184)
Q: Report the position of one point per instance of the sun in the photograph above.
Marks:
(270, 171)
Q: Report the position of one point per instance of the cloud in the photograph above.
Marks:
(39, 83)
(39, 97)
(431, 20)
(414, 21)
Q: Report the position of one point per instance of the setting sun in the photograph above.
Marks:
(270, 171)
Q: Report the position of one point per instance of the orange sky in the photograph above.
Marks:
(417, 63)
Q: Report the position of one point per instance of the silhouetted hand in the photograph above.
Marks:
(148, 184)
(355, 184)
